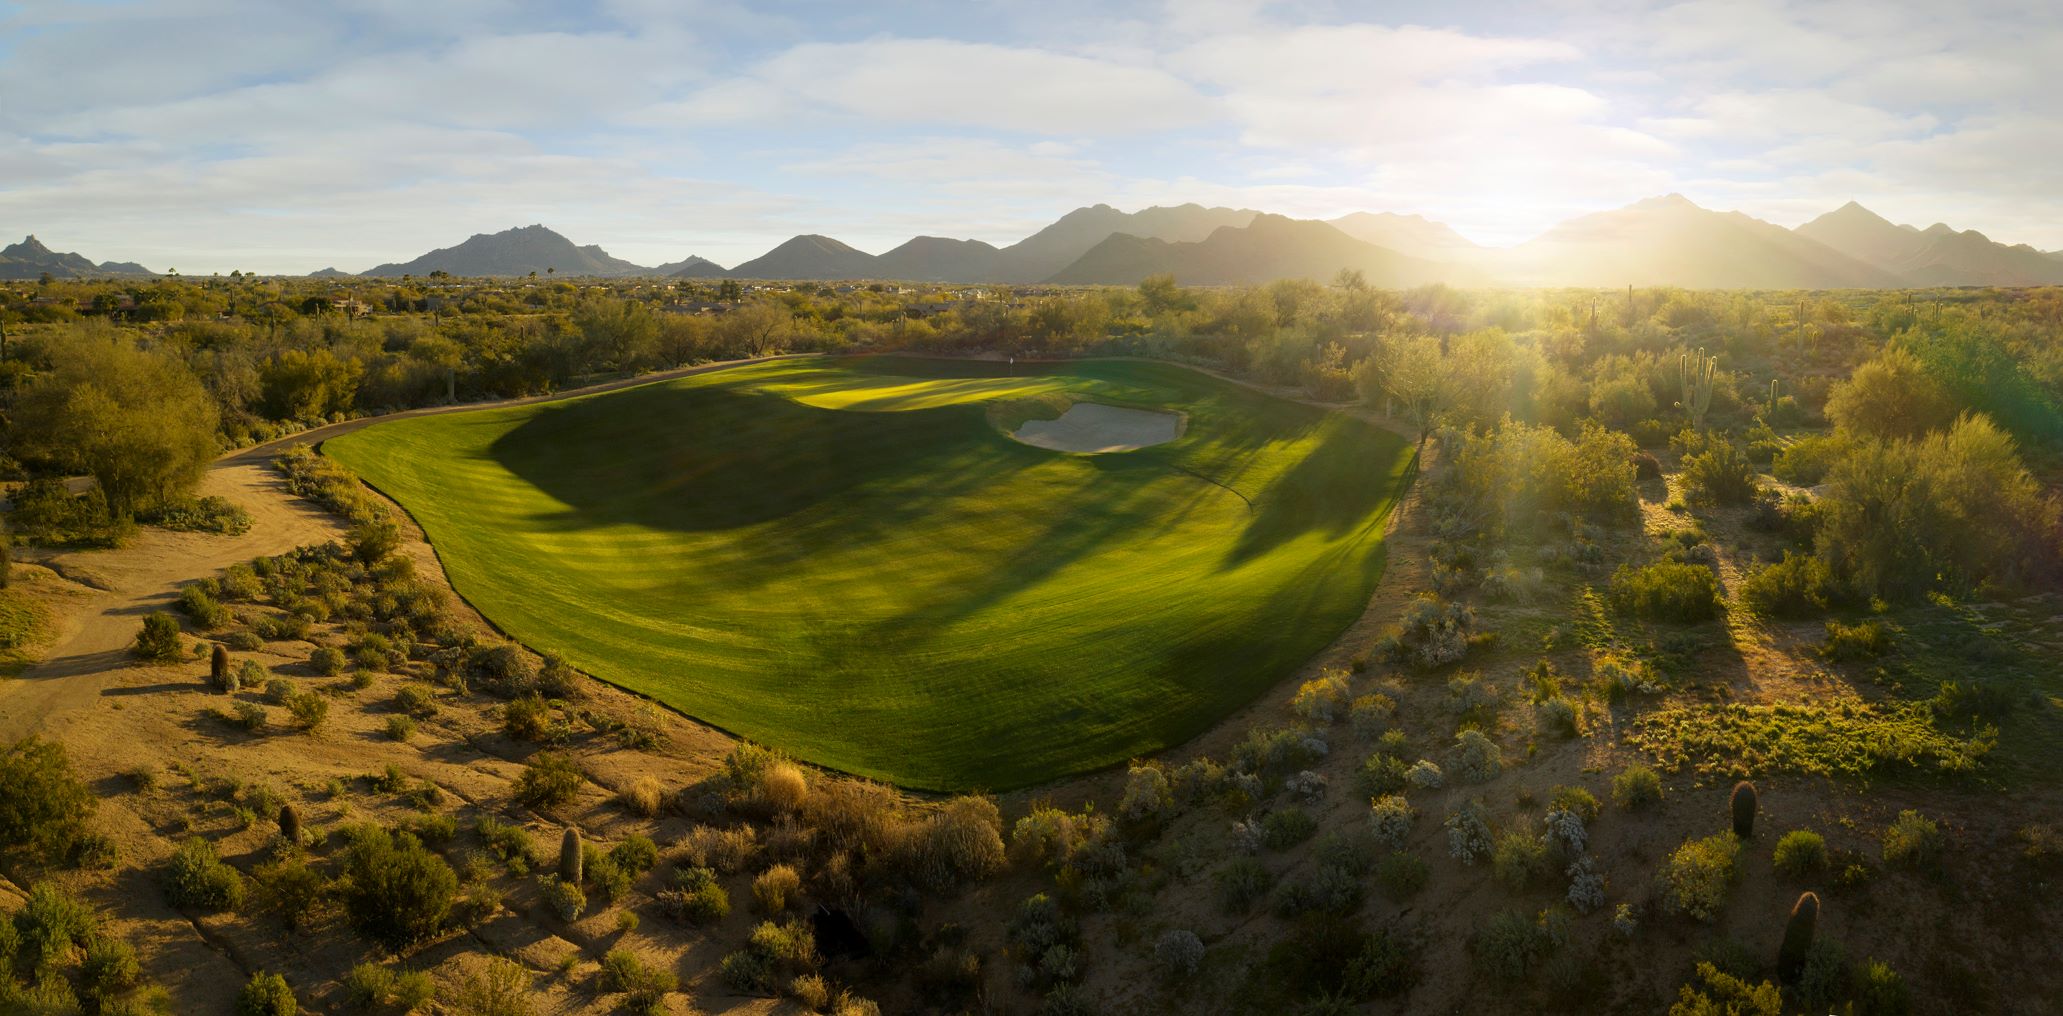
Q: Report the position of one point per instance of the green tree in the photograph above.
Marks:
(136, 420)
(42, 802)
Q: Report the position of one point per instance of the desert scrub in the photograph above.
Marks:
(1241, 883)
(1859, 641)
(1323, 698)
(196, 878)
(1389, 818)
(1667, 591)
(159, 640)
(1586, 886)
(1800, 852)
(1147, 795)
(1472, 698)
(1381, 773)
(1565, 831)
(206, 613)
(642, 797)
(1799, 585)
(564, 899)
(1178, 953)
(644, 986)
(1477, 759)
(1697, 876)
(266, 995)
(43, 803)
(1287, 827)
(696, 897)
(395, 891)
(1371, 714)
(776, 889)
(1842, 738)
(1400, 876)
(1509, 946)
(1559, 717)
(1468, 833)
(1433, 633)
(1716, 991)
(498, 987)
(1913, 841)
(327, 661)
(723, 849)
(1424, 774)
(1519, 860)
(549, 780)
(1636, 786)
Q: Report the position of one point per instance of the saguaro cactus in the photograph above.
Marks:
(290, 824)
(1697, 371)
(218, 670)
(1744, 809)
(1798, 932)
(569, 857)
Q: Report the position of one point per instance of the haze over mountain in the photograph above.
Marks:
(1414, 235)
(517, 251)
(30, 259)
(1939, 255)
(1268, 248)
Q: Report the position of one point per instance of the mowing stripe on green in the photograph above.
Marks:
(845, 560)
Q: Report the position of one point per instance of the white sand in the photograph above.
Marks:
(1088, 427)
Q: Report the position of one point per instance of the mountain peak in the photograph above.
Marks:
(1671, 201)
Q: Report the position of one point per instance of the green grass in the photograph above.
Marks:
(847, 561)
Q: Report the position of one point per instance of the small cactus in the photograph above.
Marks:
(218, 670)
(569, 857)
(1798, 932)
(1744, 809)
(290, 824)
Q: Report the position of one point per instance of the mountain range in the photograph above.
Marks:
(30, 259)
(1662, 241)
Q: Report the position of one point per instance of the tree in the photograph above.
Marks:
(1417, 379)
(1891, 396)
(396, 891)
(42, 801)
(753, 328)
(136, 420)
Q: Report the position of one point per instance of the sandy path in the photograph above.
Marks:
(93, 630)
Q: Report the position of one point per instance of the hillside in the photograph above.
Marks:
(1042, 254)
(938, 259)
(1271, 247)
(810, 256)
(1939, 255)
(513, 252)
(693, 266)
(1669, 241)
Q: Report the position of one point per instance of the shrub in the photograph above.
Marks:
(1667, 591)
(1742, 804)
(266, 995)
(642, 798)
(159, 640)
(1400, 875)
(1147, 796)
(1433, 633)
(1424, 774)
(1519, 860)
(42, 802)
(1468, 833)
(416, 700)
(646, 985)
(1577, 801)
(1178, 953)
(1912, 841)
(400, 728)
(1720, 473)
(549, 780)
(636, 854)
(1798, 933)
(1370, 713)
(1389, 818)
(308, 708)
(1559, 717)
(1800, 852)
(1323, 698)
(1242, 882)
(696, 897)
(1800, 585)
(1855, 641)
(961, 842)
(725, 850)
(526, 717)
(1636, 786)
(205, 613)
(108, 969)
(1718, 993)
(1380, 774)
(197, 879)
(1566, 833)
(327, 660)
(1508, 947)
(1287, 827)
(292, 890)
(1879, 991)
(1477, 759)
(1586, 886)
(1698, 874)
(775, 889)
(500, 987)
(395, 891)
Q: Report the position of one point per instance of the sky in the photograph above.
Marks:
(285, 136)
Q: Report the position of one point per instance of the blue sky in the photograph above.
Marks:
(208, 135)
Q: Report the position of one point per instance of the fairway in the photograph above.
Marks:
(850, 560)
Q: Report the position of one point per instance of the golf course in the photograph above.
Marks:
(854, 561)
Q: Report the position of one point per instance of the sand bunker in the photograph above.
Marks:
(1088, 427)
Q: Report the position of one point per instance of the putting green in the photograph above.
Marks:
(847, 560)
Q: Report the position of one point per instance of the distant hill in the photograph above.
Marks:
(691, 267)
(329, 273)
(810, 257)
(30, 259)
(1669, 241)
(1044, 253)
(1414, 235)
(1270, 247)
(938, 259)
(514, 252)
(1936, 256)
